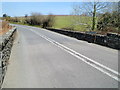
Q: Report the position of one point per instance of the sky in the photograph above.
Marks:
(12, 8)
(59, 0)
(22, 8)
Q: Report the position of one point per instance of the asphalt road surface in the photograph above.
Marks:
(45, 59)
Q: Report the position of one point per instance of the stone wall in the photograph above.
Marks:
(111, 40)
(5, 51)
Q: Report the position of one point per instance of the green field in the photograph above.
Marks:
(68, 22)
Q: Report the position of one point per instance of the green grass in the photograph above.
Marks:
(62, 21)
(25, 24)
(67, 22)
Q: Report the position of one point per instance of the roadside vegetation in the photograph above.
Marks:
(109, 22)
(94, 16)
(4, 27)
(35, 19)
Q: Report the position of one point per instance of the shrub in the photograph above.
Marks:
(39, 19)
(109, 22)
(48, 21)
(34, 19)
(4, 27)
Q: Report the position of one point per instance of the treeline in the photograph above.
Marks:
(106, 22)
(34, 19)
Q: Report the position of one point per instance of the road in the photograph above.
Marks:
(45, 59)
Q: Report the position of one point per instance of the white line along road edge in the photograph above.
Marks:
(106, 70)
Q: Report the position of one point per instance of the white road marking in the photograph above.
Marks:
(106, 70)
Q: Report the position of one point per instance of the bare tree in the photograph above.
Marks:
(77, 13)
(34, 19)
(90, 9)
(48, 21)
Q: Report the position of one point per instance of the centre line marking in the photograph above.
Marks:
(104, 69)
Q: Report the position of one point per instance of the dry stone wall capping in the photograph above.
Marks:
(111, 40)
